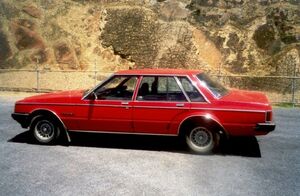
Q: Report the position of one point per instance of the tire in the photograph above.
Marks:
(45, 130)
(202, 140)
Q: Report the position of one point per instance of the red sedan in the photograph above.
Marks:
(151, 102)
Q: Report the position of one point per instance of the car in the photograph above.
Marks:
(166, 102)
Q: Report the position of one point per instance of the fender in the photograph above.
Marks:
(204, 115)
(56, 116)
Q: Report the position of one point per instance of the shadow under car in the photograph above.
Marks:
(237, 146)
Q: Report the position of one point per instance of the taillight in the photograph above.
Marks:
(269, 116)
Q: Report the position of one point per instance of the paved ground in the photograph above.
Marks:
(138, 165)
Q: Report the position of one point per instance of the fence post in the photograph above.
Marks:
(95, 72)
(294, 86)
(37, 76)
(293, 92)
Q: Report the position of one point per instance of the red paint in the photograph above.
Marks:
(238, 112)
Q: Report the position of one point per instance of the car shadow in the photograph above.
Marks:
(240, 146)
(236, 146)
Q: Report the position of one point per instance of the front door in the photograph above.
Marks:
(159, 101)
(109, 107)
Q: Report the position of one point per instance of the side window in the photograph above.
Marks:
(174, 91)
(117, 88)
(160, 88)
(191, 90)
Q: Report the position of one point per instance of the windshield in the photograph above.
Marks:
(216, 88)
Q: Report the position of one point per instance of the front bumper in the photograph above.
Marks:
(265, 127)
(23, 119)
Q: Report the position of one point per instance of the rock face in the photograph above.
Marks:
(25, 35)
(132, 33)
(5, 50)
(65, 54)
(32, 11)
(220, 36)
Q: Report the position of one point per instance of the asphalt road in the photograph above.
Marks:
(137, 165)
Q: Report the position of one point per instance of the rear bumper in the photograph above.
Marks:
(23, 119)
(265, 127)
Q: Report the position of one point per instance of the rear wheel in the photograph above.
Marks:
(201, 140)
(45, 130)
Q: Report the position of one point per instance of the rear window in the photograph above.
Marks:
(190, 90)
(216, 88)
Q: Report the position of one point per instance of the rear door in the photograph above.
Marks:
(159, 101)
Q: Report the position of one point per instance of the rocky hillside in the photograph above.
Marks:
(228, 36)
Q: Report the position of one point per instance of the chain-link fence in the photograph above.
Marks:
(48, 80)
(279, 89)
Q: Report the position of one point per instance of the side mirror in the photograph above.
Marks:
(93, 96)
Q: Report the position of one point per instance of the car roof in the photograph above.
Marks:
(158, 72)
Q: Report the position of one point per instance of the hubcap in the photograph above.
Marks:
(201, 137)
(44, 130)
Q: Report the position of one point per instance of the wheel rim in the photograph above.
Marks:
(201, 137)
(44, 130)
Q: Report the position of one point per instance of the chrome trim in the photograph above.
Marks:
(266, 115)
(155, 107)
(108, 105)
(70, 104)
(265, 127)
(140, 76)
(179, 104)
(199, 91)
(92, 89)
(128, 133)
(156, 101)
(205, 86)
(136, 89)
(145, 74)
(181, 87)
(229, 110)
(203, 116)
(54, 113)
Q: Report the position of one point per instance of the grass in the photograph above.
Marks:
(286, 105)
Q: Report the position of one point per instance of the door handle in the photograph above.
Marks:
(179, 104)
(124, 103)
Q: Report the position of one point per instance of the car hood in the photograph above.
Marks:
(242, 96)
(55, 97)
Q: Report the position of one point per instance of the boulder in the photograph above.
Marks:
(173, 10)
(26, 23)
(25, 35)
(32, 11)
(65, 54)
(5, 50)
(27, 39)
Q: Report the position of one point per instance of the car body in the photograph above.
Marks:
(150, 101)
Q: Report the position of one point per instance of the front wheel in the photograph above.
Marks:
(201, 140)
(45, 130)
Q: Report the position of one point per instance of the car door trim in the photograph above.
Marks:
(127, 133)
(111, 105)
(181, 88)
